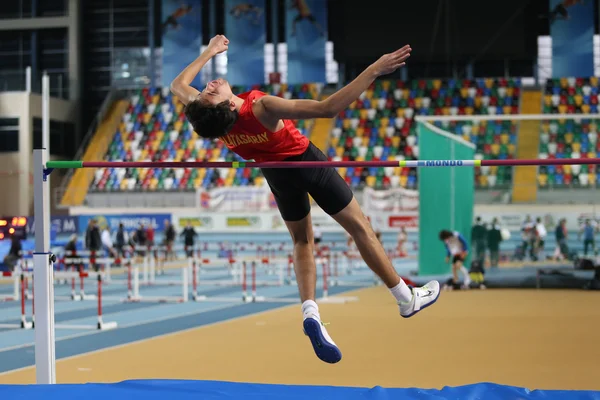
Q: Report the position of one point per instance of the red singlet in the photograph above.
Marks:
(252, 141)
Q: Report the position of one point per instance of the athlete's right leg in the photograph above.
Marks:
(294, 207)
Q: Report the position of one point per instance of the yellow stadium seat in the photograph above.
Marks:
(352, 105)
(578, 99)
(177, 125)
(504, 138)
(123, 184)
(576, 147)
(342, 171)
(360, 131)
(160, 135)
(469, 110)
(359, 158)
(397, 171)
(592, 154)
(400, 112)
(334, 142)
(197, 182)
(464, 92)
(153, 183)
(418, 102)
(446, 111)
(489, 83)
(542, 179)
(155, 99)
(567, 169)
(493, 170)
(143, 154)
(231, 173)
(258, 181)
(403, 180)
(371, 180)
(147, 117)
(339, 151)
(483, 180)
(179, 154)
(284, 87)
(346, 123)
(562, 108)
(365, 141)
(437, 84)
(201, 153)
(511, 148)
(509, 92)
(191, 144)
(568, 138)
(229, 182)
(506, 109)
(592, 177)
(564, 83)
(369, 94)
(216, 152)
(363, 113)
(155, 145)
(548, 100)
(545, 127)
(385, 121)
(594, 81)
(396, 141)
(585, 108)
(477, 102)
(126, 145)
(466, 137)
(385, 85)
(142, 172)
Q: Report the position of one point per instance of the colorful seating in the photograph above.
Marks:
(569, 138)
(380, 126)
(154, 128)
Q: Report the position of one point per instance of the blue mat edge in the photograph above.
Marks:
(166, 388)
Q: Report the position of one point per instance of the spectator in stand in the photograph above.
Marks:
(562, 250)
(589, 232)
(478, 239)
(318, 236)
(402, 240)
(189, 235)
(121, 240)
(540, 239)
(169, 239)
(494, 238)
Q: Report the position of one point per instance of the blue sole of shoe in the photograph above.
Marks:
(323, 349)
(424, 307)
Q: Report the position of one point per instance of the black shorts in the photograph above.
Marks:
(457, 257)
(317, 240)
(291, 187)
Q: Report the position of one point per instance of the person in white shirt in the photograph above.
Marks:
(457, 250)
(107, 242)
(540, 236)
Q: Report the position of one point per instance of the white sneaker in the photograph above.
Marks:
(423, 297)
(324, 346)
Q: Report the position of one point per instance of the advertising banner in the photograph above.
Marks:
(181, 37)
(130, 221)
(59, 225)
(236, 199)
(245, 27)
(572, 31)
(306, 35)
(392, 200)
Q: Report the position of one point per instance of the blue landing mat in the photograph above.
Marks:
(207, 390)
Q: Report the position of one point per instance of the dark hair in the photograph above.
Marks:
(210, 121)
(445, 234)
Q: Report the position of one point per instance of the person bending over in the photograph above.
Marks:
(457, 250)
(259, 127)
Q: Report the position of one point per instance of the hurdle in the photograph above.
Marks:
(24, 324)
(134, 296)
(18, 290)
(331, 299)
(347, 270)
(248, 296)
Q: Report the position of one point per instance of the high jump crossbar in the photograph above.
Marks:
(50, 165)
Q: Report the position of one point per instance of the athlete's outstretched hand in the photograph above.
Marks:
(218, 44)
(388, 63)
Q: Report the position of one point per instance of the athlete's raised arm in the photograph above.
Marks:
(180, 86)
(274, 108)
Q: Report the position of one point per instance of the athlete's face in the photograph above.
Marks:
(217, 91)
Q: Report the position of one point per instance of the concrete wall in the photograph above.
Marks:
(16, 168)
